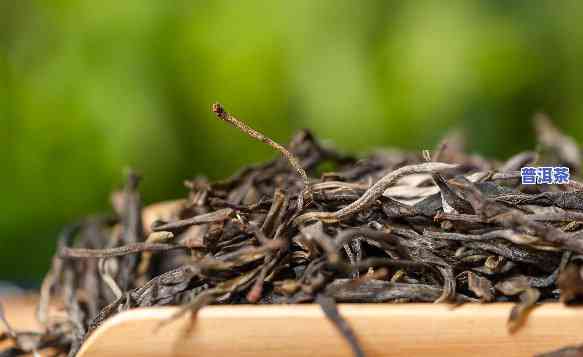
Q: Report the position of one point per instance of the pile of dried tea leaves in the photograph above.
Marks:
(391, 227)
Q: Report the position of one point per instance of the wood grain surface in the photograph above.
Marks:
(302, 330)
(19, 311)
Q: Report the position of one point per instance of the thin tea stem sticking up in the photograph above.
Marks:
(222, 114)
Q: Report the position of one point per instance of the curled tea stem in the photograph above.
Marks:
(373, 193)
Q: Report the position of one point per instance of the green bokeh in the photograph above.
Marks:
(89, 88)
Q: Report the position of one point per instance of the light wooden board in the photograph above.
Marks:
(20, 311)
(302, 330)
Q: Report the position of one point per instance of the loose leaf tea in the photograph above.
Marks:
(391, 227)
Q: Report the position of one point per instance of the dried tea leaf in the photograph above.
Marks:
(481, 286)
(571, 351)
(570, 283)
(329, 308)
(519, 312)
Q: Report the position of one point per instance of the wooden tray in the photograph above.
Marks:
(302, 330)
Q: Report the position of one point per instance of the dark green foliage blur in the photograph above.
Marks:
(90, 88)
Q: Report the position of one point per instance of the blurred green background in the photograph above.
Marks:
(88, 88)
